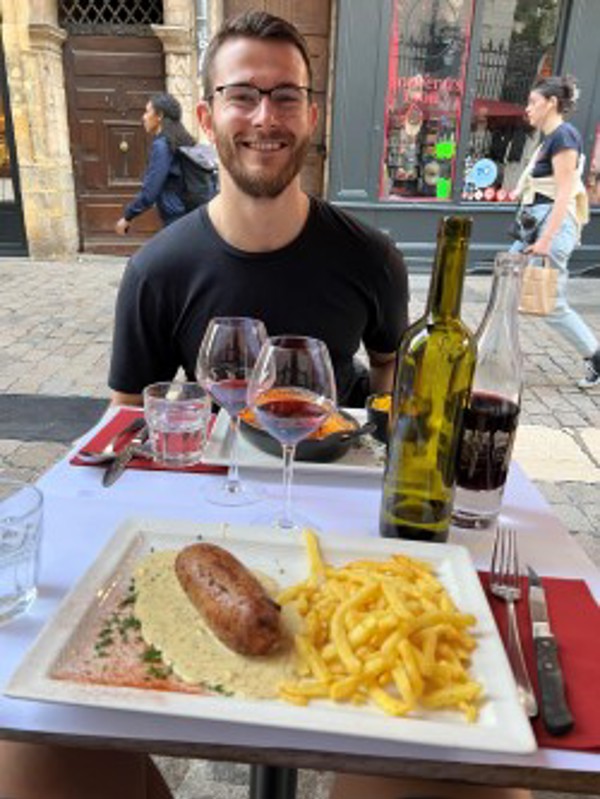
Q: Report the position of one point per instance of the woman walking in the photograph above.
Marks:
(162, 118)
(552, 191)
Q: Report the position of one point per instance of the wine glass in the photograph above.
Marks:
(227, 354)
(292, 391)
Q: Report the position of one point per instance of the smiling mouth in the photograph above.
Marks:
(264, 146)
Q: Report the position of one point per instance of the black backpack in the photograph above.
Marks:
(199, 174)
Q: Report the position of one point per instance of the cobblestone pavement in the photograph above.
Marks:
(55, 332)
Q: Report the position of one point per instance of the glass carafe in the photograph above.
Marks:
(490, 421)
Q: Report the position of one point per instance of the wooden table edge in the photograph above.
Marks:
(525, 776)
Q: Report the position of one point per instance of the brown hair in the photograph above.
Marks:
(253, 25)
(563, 88)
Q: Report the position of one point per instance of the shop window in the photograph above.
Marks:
(429, 48)
(428, 53)
(517, 46)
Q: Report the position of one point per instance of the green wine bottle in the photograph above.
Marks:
(434, 370)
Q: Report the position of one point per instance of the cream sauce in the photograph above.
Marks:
(172, 624)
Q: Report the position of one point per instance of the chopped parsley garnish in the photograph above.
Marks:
(152, 655)
(159, 673)
(218, 689)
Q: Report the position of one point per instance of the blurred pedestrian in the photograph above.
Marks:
(161, 185)
(552, 191)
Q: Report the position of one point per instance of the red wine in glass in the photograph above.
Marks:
(227, 355)
(290, 415)
(229, 393)
(292, 392)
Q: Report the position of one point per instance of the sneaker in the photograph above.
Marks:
(592, 377)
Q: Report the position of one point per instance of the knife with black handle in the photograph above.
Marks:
(556, 714)
(117, 467)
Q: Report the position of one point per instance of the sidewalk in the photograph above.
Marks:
(55, 334)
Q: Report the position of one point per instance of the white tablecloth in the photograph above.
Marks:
(81, 515)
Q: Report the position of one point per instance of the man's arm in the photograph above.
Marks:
(381, 371)
(120, 398)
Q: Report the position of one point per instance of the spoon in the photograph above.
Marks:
(108, 453)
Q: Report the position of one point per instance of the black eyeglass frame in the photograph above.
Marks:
(261, 92)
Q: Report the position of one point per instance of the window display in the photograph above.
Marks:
(426, 83)
(429, 48)
(517, 46)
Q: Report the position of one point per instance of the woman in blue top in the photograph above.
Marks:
(553, 192)
(162, 118)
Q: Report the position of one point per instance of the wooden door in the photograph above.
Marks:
(109, 80)
(312, 18)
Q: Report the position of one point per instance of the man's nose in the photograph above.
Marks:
(264, 113)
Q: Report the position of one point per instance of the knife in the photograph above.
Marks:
(117, 467)
(555, 710)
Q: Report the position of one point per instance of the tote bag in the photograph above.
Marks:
(538, 288)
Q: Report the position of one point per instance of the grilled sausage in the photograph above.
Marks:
(230, 599)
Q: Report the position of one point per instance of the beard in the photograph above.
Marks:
(267, 182)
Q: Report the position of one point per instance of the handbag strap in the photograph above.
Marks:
(520, 187)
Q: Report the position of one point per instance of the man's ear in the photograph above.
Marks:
(204, 113)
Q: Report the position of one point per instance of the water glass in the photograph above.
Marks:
(21, 512)
(177, 417)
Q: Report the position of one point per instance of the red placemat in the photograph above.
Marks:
(575, 621)
(119, 422)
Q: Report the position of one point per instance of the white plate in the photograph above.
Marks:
(362, 459)
(502, 725)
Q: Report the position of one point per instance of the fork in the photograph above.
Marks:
(505, 583)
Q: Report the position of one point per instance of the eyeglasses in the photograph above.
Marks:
(287, 99)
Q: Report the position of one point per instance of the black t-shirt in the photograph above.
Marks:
(339, 281)
(565, 137)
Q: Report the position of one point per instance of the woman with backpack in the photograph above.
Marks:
(161, 185)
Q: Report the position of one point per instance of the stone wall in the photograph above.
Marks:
(33, 51)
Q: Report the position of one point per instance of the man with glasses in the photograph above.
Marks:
(262, 247)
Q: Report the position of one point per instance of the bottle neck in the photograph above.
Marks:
(447, 280)
(500, 324)
(499, 367)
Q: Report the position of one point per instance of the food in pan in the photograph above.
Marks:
(335, 423)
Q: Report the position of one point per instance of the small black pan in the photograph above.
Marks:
(320, 450)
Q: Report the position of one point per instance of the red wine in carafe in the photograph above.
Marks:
(492, 414)
(489, 427)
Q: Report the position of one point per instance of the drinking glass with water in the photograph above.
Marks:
(177, 417)
(21, 511)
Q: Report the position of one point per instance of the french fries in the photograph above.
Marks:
(386, 632)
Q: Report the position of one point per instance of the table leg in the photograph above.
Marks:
(273, 782)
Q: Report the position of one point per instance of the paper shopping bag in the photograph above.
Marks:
(538, 288)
